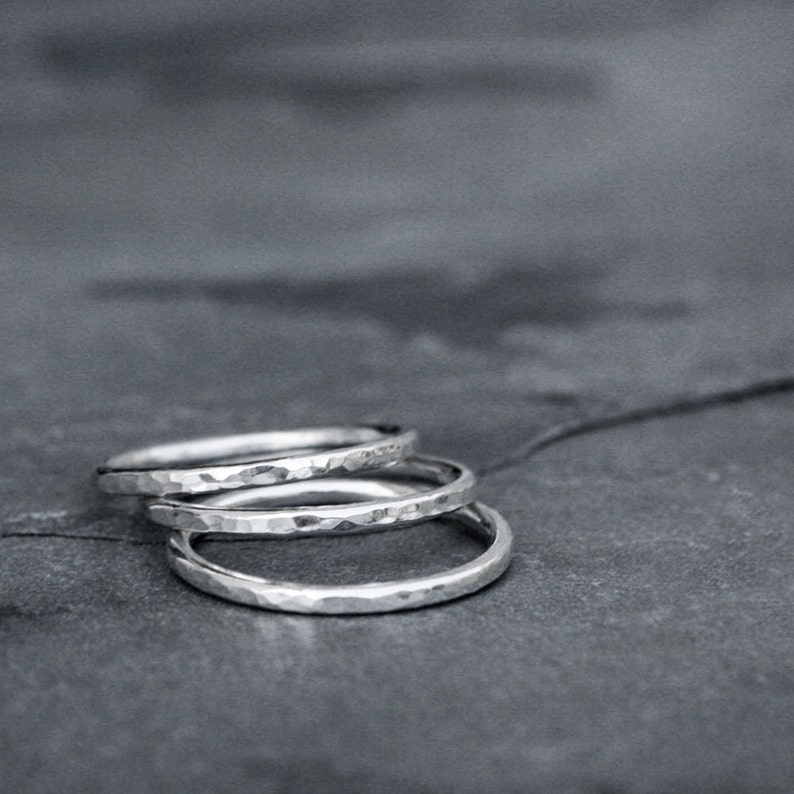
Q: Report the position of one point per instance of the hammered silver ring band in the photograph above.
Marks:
(337, 480)
(230, 512)
(208, 465)
(372, 597)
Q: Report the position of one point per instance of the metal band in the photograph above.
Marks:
(372, 597)
(209, 465)
(229, 512)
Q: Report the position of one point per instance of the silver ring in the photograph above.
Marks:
(422, 591)
(229, 513)
(221, 463)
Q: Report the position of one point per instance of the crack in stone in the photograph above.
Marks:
(79, 536)
(673, 407)
(561, 432)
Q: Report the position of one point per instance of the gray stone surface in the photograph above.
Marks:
(484, 231)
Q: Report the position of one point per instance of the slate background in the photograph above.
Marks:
(495, 222)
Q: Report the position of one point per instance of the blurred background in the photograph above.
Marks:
(207, 205)
(480, 219)
(571, 200)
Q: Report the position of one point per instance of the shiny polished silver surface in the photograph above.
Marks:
(210, 465)
(351, 599)
(451, 488)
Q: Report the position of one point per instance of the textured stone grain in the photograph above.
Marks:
(190, 247)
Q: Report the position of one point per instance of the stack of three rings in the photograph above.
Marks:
(299, 483)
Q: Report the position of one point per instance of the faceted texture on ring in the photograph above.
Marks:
(391, 448)
(324, 519)
(353, 599)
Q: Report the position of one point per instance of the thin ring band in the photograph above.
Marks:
(226, 512)
(221, 463)
(372, 597)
